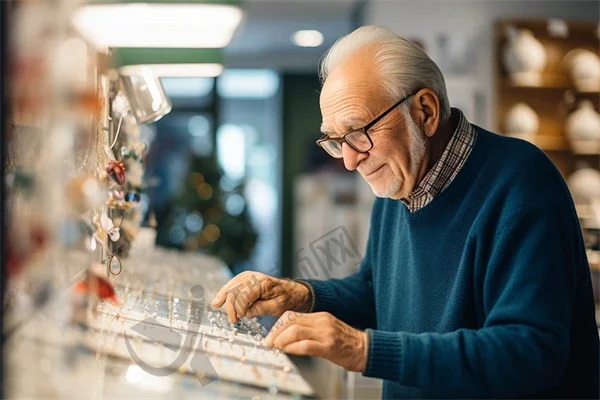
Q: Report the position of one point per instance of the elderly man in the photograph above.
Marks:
(475, 281)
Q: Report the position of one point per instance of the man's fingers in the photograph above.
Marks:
(222, 294)
(306, 347)
(285, 321)
(219, 299)
(247, 295)
(295, 333)
(264, 307)
(230, 307)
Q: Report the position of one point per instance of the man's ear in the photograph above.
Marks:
(426, 107)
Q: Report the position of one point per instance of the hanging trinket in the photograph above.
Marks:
(134, 151)
(117, 195)
(132, 197)
(101, 287)
(127, 153)
(113, 263)
(116, 170)
(114, 232)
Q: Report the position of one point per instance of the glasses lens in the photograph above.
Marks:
(333, 148)
(359, 140)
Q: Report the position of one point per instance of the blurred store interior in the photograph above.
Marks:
(220, 158)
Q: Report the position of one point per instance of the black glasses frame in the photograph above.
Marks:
(363, 130)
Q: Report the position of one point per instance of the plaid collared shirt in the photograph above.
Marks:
(447, 167)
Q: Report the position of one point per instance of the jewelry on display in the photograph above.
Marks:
(114, 271)
(123, 200)
(116, 171)
(132, 197)
(113, 263)
(114, 232)
(93, 283)
(134, 151)
(105, 225)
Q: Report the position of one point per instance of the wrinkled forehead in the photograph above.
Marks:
(349, 99)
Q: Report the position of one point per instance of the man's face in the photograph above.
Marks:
(351, 98)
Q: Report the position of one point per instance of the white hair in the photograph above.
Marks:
(404, 66)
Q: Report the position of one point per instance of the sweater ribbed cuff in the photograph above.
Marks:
(324, 299)
(312, 292)
(384, 359)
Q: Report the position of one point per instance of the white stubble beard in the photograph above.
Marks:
(417, 153)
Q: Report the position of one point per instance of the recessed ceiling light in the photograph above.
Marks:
(308, 38)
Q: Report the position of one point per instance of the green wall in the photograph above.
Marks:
(301, 123)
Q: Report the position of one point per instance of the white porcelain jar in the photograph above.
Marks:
(582, 128)
(585, 185)
(524, 57)
(521, 121)
(584, 70)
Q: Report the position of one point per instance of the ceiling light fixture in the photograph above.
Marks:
(187, 24)
(171, 63)
(308, 38)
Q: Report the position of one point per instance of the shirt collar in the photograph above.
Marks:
(448, 165)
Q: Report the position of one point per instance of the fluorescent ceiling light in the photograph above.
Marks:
(176, 70)
(158, 25)
(169, 62)
(309, 38)
(248, 83)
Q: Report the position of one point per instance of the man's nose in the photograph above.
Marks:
(352, 157)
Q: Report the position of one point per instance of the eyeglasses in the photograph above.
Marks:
(359, 140)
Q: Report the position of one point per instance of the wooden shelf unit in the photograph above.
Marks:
(555, 97)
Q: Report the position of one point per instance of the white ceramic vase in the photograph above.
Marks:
(585, 185)
(582, 128)
(584, 70)
(524, 58)
(521, 121)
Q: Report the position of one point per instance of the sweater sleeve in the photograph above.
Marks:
(523, 346)
(350, 299)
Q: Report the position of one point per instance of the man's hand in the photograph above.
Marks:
(320, 335)
(252, 294)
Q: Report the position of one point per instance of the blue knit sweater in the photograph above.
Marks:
(485, 292)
